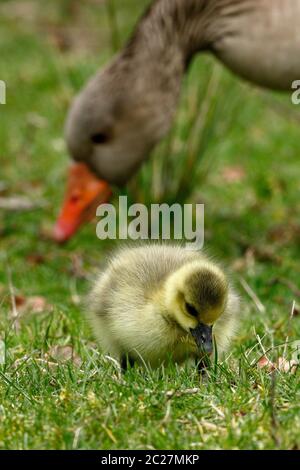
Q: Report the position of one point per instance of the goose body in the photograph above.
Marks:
(150, 302)
(261, 41)
(129, 106)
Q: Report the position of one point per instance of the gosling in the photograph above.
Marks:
(156, 303)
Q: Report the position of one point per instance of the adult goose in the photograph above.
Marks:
(129, 106)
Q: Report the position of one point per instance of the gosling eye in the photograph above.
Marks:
(100, 138)
(191, 310)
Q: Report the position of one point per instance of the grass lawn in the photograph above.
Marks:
(56, 389)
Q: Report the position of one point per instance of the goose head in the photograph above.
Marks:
(111, 128)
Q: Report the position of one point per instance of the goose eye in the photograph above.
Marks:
(191, 310)
(100, 138)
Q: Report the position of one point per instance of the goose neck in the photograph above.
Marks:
(172, 31)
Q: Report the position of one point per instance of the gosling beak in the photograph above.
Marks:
(85, 192)
(202, 335)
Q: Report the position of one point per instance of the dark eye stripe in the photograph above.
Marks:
(191, 310)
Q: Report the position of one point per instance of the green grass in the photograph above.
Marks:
(252, 224)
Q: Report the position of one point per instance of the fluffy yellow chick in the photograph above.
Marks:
(154, 303)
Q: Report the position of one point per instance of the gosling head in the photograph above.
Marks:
(196, 297)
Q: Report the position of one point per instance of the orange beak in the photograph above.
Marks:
(85, 192)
